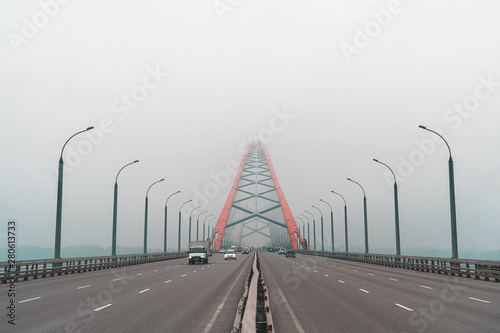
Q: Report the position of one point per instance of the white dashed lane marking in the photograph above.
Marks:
(404, 307)
(31, 299)
(479, 300)
(102, 307)
(83, 287)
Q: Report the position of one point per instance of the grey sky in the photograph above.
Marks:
(275, 68)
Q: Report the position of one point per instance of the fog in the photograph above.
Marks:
(183, 86)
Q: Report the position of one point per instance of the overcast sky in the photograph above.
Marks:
(182, 86)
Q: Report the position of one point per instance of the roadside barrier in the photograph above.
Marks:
(254, 314)
(488, 270)
(35, 269)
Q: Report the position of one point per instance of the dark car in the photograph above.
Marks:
(245, 251)
(290, 253)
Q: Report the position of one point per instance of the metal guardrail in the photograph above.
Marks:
(488, 270)
(253, 314)
(35, 269)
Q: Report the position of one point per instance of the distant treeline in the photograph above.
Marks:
(35, 252)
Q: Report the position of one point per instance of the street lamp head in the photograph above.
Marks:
(349, 179)
(375, 160)
(89, 128)
(161, 179)
(422, 126)
(135, 161)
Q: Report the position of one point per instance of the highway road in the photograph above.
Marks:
(166, 296)
(317, 294)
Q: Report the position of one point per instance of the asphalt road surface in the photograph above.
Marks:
(166, 296)
(317, 294)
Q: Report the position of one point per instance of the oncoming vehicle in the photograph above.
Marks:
(282, 251)
(230, 254)
(198, 252)
(290, 253)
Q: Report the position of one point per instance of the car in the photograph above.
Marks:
(222, 251)
(230, 254)
(239, 249)
(282, 251)
(290, 253)
(245, 251)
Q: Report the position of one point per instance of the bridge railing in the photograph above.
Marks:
(488, 270)
(35, 269)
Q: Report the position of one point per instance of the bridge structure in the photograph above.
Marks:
(256, 205)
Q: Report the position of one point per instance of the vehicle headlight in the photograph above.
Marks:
(190, 257)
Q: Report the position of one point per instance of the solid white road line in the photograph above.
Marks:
(143, 291)
(365, 291)
(404, 307)
(221, 305)
(393, 279)
(283, 299)
(479, 300)
(422, 286)
(102, 307)
(82, 287)
(31, 299)
(117, 279)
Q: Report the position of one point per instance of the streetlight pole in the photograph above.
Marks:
(190, 214)
(115, 207)
(396, 208)
(331, 220)
(212, 228)
(302, 234)
(453, 213)
(165, 227)
(322, 236)
(345, 221)
(146, 217)
(198, 225)
(314, 229)
(179, 236)
(205, 220)
(308, 232)
(366, 218)
(57, 246)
